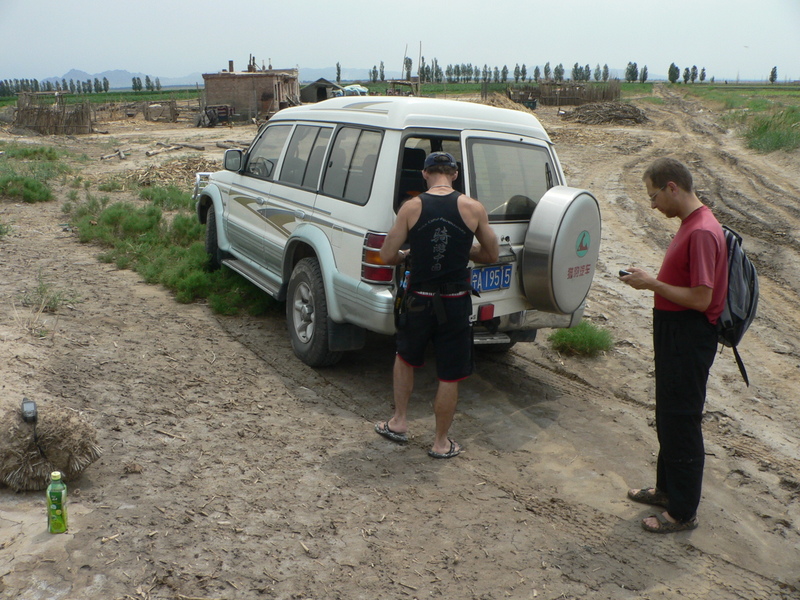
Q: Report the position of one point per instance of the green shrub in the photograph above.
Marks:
(46, 298)
(24, 188)
(4, 229)
(168, 198)
(171, 254)
(31, 152)
(585, 339)
(112, 185)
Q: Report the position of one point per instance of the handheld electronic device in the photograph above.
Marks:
(29, 414)
(622, 273)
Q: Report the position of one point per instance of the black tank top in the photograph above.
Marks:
(440, 243)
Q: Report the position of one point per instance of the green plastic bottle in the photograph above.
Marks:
(56, 504)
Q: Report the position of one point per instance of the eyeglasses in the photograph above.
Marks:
(654, 194)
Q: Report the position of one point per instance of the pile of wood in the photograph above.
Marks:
(179, 173)
(607, 112)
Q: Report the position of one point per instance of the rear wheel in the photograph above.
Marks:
(307, 315)
(212, 244)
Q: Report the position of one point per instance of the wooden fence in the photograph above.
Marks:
(40, 114)
(566, 94)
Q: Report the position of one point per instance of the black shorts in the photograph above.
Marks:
(452, 338)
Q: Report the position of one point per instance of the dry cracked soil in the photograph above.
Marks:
(231, 470)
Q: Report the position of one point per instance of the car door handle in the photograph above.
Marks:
(299, 214)
(260, 200)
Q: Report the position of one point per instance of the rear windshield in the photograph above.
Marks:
(509, 178)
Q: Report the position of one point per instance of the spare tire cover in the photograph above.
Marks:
(561, 249)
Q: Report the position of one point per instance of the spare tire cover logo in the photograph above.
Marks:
(582, 244)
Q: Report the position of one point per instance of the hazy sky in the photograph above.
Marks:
(173, 38)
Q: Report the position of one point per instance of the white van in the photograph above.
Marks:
(304, 211)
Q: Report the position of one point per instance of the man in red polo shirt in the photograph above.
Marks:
(690, 292)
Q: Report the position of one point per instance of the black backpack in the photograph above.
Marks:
(742, 301)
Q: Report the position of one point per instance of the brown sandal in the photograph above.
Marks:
(665, 526)
(650, 496)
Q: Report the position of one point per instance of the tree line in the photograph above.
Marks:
(428, 73)
(432, 72)
(11, 87)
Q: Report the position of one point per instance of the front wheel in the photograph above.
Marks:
(212, 243)
(307, 315)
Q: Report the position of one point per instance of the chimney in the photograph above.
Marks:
(230, 66)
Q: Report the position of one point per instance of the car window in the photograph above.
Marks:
(265, 153)
(304, 156)
(351, 167)
(509, 178)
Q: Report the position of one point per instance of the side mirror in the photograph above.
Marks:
(233, 160)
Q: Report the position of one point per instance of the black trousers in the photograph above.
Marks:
(685, 346)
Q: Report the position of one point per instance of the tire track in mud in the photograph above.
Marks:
(591, 547)
(758, 201)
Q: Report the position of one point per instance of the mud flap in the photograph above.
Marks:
(345, 336)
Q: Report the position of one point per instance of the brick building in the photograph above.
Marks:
(255, 92)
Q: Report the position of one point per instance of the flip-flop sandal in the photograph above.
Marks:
(395, 436)
(455, 450)
(649, 496)
(665, 526)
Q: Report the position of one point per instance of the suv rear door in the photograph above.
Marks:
(508, 174)
(551, 232)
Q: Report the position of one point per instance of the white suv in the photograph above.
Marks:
(304, 211)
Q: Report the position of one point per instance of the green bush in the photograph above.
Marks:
(4, 229)
(585, 339)
(168, 198)
(169, 253)
(112, 185)
(31, 152)
(24, 188)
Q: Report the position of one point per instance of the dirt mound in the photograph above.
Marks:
(503, 102)
(607, 112)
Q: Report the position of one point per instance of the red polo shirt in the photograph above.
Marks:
(697, 256)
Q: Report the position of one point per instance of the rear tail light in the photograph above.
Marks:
(373, 270)
(486, 312)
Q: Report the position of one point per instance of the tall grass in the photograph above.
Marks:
(777, 131)
(26, 170)
(767, 116)
(163, 241)
(585, 339)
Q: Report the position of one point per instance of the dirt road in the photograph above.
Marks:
(232, 470)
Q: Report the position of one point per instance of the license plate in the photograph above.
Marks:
(487, 279)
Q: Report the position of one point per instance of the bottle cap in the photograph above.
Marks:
(55, 475)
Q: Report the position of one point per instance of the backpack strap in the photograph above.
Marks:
(742, 370)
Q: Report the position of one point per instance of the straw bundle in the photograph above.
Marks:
(61, 440)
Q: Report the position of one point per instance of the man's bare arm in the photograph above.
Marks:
(488, 248)
(398, 234)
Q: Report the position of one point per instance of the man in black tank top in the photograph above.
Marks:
(439, 226)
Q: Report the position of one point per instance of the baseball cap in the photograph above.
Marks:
(440, 159)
